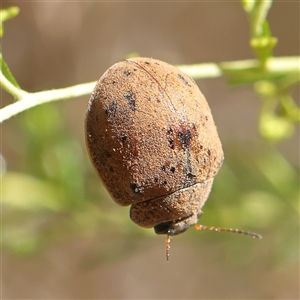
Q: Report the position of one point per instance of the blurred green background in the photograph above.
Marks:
(62, 235)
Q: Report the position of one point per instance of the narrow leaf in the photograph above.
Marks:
(6, 14)
(7, 73)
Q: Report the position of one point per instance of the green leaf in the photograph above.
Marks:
(7, 73)
(259, 15)
(261, 40)
(291, 109)
(6, 14)
(263, 43)
(257, 11)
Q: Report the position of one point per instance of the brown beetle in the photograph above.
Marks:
(152, 139)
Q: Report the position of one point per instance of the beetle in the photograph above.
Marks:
(152, 139)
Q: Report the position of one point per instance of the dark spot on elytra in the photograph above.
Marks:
(155, 179)
(185, 137)
(190, 176)
(171, 143)
(131, 101)
(112, 108)
(172, 169)
(208, 152)
(114, 82)
(165, 182)
(147, 63)
(170, 138)
(163, 168)
(183, 79)
(111, 169)
(123, 139)
(127, 73)
(189, 180)
(139, 190)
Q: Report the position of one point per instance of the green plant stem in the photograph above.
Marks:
(30, 100)
(258, 16)
(274, 66)
(10, 88)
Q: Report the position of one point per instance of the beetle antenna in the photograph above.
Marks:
(219, 229)
(168, 241)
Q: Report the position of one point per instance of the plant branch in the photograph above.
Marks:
(273, 67)
(30, 100)
(10, 88)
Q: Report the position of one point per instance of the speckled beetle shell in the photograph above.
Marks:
(152, 139)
